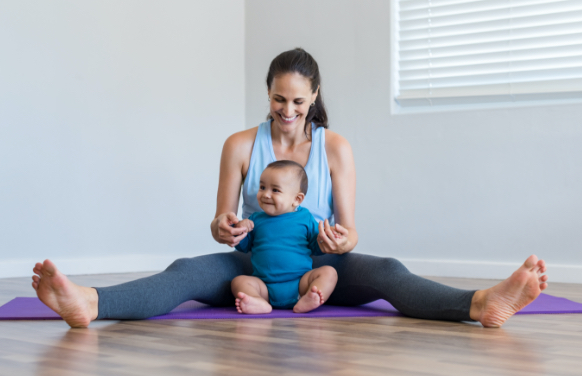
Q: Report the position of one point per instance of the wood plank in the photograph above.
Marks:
(526, 345)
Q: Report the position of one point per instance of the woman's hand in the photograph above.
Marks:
(333, 239)
(246, 224)
(224, 232)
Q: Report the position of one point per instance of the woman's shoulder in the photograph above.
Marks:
(336, 146)
(237, 150)
(241, 141)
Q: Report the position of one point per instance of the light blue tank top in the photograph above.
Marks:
(318, 199)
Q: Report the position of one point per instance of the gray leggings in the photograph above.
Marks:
(361, 279)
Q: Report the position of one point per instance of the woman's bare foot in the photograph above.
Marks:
(309, 301)
(492, 307)
(251, 305)
(77, 305)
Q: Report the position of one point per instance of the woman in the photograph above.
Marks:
(297, 131)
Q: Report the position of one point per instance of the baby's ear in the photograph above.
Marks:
(299, 199)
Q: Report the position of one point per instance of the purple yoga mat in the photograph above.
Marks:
(34, 309)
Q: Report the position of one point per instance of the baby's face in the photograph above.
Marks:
(279, 191)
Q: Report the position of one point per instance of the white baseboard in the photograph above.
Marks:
(487, 270)
(145, 263)
(80, 266)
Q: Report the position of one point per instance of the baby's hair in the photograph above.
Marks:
(301, 174)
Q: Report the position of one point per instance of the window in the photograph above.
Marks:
(463, 51)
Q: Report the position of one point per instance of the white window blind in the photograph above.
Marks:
(463, 51)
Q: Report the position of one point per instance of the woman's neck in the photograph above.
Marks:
(292, 145)
(290, 138)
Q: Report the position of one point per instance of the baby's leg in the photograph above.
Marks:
(315, 288)
(251, 295)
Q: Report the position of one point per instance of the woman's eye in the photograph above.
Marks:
(298, 103)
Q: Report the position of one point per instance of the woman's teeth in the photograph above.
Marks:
(288, 119)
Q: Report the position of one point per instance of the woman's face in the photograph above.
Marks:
(290, 96)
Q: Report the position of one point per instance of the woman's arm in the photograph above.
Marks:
(342, 237)
(234, 164)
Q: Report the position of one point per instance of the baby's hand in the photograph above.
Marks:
(335, 233)
(247, 224)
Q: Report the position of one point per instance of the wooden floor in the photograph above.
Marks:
(526, 345)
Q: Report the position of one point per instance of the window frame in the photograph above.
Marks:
(396, 108)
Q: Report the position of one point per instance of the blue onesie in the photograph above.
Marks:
(280, 247)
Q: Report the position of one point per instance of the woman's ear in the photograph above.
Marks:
(298, 199)
(314, 95)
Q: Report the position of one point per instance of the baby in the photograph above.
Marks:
(281, 240)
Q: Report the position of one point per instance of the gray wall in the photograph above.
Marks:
(113, 114)
(112, 119)
(463, 193)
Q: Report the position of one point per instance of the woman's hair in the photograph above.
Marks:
(299, 61)
(300, 171)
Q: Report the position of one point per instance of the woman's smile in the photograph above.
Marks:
(288, 120)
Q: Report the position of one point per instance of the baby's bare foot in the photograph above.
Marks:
(309, 301)
(77, 305)
(492, 307)
(251, 304)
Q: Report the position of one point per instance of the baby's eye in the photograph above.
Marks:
(276, 190)
(262, 187)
